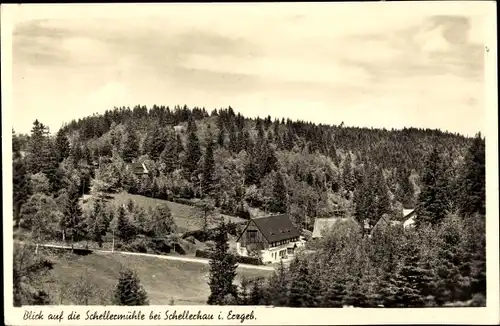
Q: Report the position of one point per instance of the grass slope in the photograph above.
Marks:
(185, 216)
(164, 280)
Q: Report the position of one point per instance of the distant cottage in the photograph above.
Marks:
(323, 225)
(139, 168)
(409, 216)
(271, 237)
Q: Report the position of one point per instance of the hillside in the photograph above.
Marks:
(237, 161)
(164, 280)
(185, 216)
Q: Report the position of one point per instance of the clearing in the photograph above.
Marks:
(184, 282)
(185, 216)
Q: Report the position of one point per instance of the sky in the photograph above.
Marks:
(382, 65)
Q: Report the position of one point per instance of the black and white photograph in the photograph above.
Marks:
(322, 155)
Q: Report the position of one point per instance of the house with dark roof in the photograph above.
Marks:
(139, 168)
(272, 237)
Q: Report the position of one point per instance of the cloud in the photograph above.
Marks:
(279, 69)
(338, 60)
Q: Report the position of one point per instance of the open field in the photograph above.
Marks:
(185, 216)
(185, 282)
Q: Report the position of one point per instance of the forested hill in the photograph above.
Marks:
(275, 165)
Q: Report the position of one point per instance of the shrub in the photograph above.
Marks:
(129, 291)
(137, 245)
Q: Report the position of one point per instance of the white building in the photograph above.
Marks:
(272, 237)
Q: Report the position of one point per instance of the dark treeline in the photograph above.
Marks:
(305, 169)
(441, 261)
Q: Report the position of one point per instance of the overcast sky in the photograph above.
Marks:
(366, 64)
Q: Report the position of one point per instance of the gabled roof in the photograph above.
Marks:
(139, 168)
(407, 212)
(321, 224)
(276, 228)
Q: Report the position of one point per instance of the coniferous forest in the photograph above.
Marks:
(239, 166)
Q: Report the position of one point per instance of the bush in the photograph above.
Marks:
(200, 235)
(239, 259)
(203, 253)
(243, 213)
(137, 245)
(160, 246)
(249, 260)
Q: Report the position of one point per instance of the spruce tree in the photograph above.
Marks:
(193, 151)
(252, 168)
(348, 179)
(36, 148)
(279, 202)
(75, 227)
(433, 199)
(413, 278)
(406, 191)
(334, 294)
(129, 291)
(21, 187)
(170, 154)
(473, 191)
(130, 150)
(207, 182)
(124, 230)
(300, 288)
(222, 269)
(233, 139)
(365, 201)
(257, 295)
(62, 145)
(221, 137)
(155, 142)
(98, 228)
(16, 146)
(380, 190)
(279, 286)
(268, 159)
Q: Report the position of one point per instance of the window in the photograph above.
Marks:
(252, 235)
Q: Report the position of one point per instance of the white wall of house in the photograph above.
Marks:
(273, 254)
(409, 222)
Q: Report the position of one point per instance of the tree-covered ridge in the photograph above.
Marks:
(308, 170)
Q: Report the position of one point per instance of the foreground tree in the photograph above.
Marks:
(40, 215)
(207, 179)
(433, 202)
(222, 270)
(73, 224)
(193, 151)
(62, 145)
(28, 272)
(473, 191)
(162, 222)
(129, 291)
(21, 188)
(279, 202)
